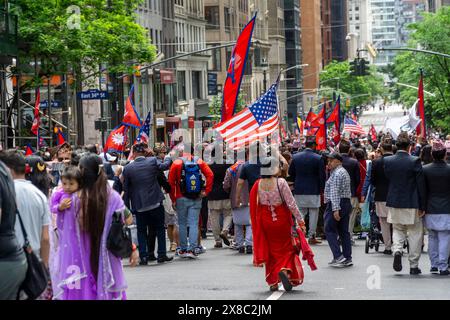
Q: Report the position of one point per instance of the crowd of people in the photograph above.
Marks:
(274, 204)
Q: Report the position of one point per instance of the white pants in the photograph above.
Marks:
(414, 234)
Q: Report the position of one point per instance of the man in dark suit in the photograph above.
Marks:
(437, 217)
(308, 170)
(352, 167)
(405, 202)
(143, 192)
(381, 183)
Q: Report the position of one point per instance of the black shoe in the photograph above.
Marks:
(434, 270)
(152, 258)
(415, 271)
(444, 272)
(242, 250)
(249, 250)
(164, 259)
(224, 237)
(398, 261)
(387, 252)
(203, 234)
(143, 262)
(285, 281)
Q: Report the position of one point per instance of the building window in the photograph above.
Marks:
(181, 80)
(196, 85)
(227, 18)
(216, 60)
(212, 17)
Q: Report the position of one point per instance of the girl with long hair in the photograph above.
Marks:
(87, 270)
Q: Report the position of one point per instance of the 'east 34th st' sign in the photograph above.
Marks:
(93, 94)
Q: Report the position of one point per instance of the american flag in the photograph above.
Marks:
(352, 126)
(144, 132)
(254, 122)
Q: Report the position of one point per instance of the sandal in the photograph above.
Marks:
(285, 281)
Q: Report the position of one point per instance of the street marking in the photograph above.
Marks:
(338, 288)
(277, 294)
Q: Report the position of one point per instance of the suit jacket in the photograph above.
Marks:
(379, 180)
(217, 192)
(352, 167)
(308, 170)
(437, 187)
(406, 181)
(140, 185)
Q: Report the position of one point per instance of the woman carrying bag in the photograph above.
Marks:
(271, 208)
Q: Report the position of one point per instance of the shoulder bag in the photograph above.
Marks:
(37, 276)
(119, 241)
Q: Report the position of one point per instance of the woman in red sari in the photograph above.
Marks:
(271, 208)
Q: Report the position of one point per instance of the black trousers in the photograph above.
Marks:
(151, 224)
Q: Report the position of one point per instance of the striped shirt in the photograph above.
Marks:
(337, 187)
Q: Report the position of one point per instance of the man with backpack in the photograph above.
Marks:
(187, 191)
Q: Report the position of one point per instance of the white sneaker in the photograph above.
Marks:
(191, 255)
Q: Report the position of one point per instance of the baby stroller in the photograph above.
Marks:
(374, 237)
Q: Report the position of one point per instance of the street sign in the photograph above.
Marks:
(160, 122)
(55, 104)
(93, 94)
(212, 84)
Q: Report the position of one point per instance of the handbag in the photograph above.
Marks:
(119, 241)
(296, 242)
(37, 276)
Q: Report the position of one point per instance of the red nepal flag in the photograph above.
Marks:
(236, 70)
(28, 150)
(311, 115)
(116, 140)
(37, 117)
(422, 127)
(131, 117)
(335, 117)
(321, 134)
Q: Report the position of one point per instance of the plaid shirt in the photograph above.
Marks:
(337, 187)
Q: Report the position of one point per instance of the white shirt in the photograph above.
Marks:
(35, 213)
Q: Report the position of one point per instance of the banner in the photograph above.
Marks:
(406, 123)
(421, 130)
(236, 71)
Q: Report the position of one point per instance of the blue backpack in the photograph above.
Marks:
(191, 179)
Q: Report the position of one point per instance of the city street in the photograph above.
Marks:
(228, 275)
(378, 117)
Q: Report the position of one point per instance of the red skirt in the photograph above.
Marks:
(277, 240)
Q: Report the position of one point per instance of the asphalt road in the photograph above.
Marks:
(228, 275)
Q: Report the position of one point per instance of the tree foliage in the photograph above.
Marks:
(432, 33)
(360, 90)
(215, 106)
(62, 37)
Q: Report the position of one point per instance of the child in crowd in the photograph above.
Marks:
(71, 183)
(61, 200)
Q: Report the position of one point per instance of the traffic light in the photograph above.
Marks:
(354, 67)
(364, 68)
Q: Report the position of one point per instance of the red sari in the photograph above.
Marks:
(272, 241)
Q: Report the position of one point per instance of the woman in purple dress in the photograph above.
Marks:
(87, 270)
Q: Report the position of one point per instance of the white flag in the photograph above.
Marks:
(406, 123)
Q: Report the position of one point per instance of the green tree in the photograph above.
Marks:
(336, 77)
(66, 35)
(432, 33)
(215, 106)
